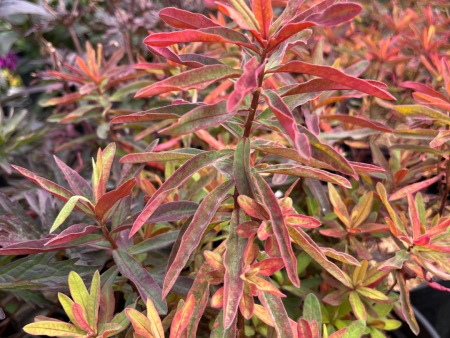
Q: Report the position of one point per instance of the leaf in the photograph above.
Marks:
(361, 210)
(154, 243)
(193, 79)
(412, 188)
(141, 324)
(108, 200)
(107, 306)
(247, 229)
(253, 208)
(277, 313)
(420, 112)
(406, 305)
(80, 318)
(419, 87)
(269, 266)
(242, 167)
(287, 32)
(200, 118)
(218, 330)
(306, 172)
(94, 302)
(181, 319)
(234, 265)
(355, 329)
(332, 74)
(213, 34)
(335, 14)
(193, 235)
(340, 256)
(72, 233)
(245, 84)
(183, 19)
(286, 119)
(395, 262)
(311, 248)
(357, 305)
(174, 111)
(279, 228)
(153, 316)
(188, 169)
(54, 329)
(54, 189)
(357, 120)
(76, 182)
(336, 297)
(188, 59)
(67, 210)
(312, 312)
(163, 156)
(108, 329)
(15, 7)
(372, 294)
(133, 270)
(340, 209)
(263, 14)
(440, 139)
(79, 292)
(247, 303)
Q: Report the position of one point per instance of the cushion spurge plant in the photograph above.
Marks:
(269, 226)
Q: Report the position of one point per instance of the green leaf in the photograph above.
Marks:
(372, 294)
(79, 292)
(311, 311)
(54, 329)
(358, 306)
(67, 210)
(219, 331)
(242, 175)
(154, 243)
(420, 112)
(355, 329)
(94, 302)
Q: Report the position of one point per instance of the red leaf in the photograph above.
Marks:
(414, 188)
(253, 208)
(286, 32)
(269, 266)
(183, 19)
(263, 13)
(357, 120)
(245, 84)
(217, 299)
(188, 60)
(107, 201)
(334, 75)
(72, 233)
(421, 88)
(193, 234)
(279, 228)
(214, 34)
(181, 319)
(163, 113)
(287, 120)
(247, 229)
(335, 14)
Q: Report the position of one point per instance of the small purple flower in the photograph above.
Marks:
(9, 62)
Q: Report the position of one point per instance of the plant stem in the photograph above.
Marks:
(241, 327)
(108, 236)
(255, 100)
(391, 288)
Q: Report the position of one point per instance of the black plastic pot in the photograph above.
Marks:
(432, 311)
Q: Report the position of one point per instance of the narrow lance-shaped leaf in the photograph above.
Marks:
(234, 263)
(420, 112)
(198, 78)
(133, 270)
(183, 19)
(311, 248)
(334, 75)
(200, 118)
(54, 189)
(287, 120)
(410, 189)
(406, 305)
(279, 227)
(54, 329)
(357, 120)
(245, 84)
(108, 200)
(178, 177)
(181, 319)
(174, 111)
(141, 324)
(335, 14)
(213, 34)
(94, 302)
(242, 174)
(263, 14)
(76, 182)
(79, 292)
(311, 311)
(191, 238)
(277, 313)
